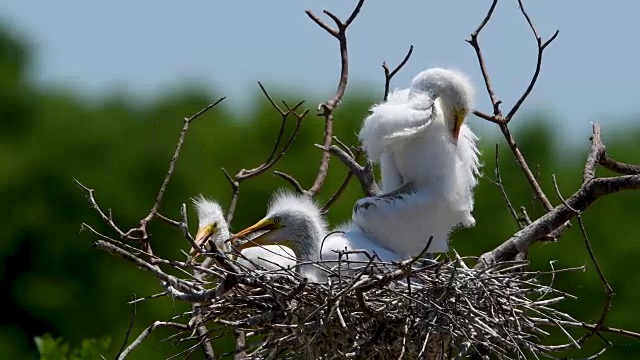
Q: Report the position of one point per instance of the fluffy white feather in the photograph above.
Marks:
(296, 220)
(411, 137)
(270, 257)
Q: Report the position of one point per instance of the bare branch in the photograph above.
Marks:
(141, 264)
(473, 41)
(174, 160)
(274, 155)
(595, 153)
(131, 322)
(292, 181)
(108, 219)
(598, 155)
(607, 287)
(579, 201)
(388, 75)
(142, 229)
(363, 173)
(498, 182)
(329, 107)
(146, 333)
(522, 163)
(618, 167)
(497, 117)
(338, 192)
(534, 78)
(240, 345)
(555, 220)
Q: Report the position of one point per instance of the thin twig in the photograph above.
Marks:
(274, 156)
(388, 75)
(146, 333)
(338, 192)
(499, 183)
(128, 333)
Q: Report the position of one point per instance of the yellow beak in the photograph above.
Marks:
(202, 236)
(264, 224)
(457, 124)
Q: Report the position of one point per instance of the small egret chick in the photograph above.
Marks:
(428, 162)
(296, 221)
(212, 224)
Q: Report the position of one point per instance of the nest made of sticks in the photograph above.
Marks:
(420, 309)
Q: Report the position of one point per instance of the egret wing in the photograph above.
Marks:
(389, 173)
(404, 221)
(395, 118)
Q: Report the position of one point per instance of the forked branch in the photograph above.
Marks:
(388, 75)
(327, 108)
(497, 117)
(139, 234)
(590, 191)
(276, 153)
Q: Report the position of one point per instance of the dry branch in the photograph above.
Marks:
(327, 108)
(276, 152)
(497, 117)
(589, 192)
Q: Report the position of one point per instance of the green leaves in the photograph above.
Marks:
(51, 348)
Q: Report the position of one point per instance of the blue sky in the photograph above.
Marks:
(146, 47)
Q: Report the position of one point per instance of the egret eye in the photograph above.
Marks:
(276, 220)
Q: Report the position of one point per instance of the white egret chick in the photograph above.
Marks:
(296, 221)
(212, 224)
(428, 161)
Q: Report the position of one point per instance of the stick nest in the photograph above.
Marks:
(418, 309)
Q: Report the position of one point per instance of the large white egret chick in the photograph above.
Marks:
(429, 163)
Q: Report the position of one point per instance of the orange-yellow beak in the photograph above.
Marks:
(264, 224)
(202, 236)
(457, 124)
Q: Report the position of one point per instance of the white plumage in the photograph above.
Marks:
(296, 221)
(428, 161)
(212, 224)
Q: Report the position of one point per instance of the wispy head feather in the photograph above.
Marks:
(288, 201)
(208, 210)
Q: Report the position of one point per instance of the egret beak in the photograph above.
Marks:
(458, 121)
(265, 225)
(202, 236)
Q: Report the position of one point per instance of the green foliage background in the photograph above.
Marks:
(53, 281)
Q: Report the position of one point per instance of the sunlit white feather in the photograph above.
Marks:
(410, 137)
